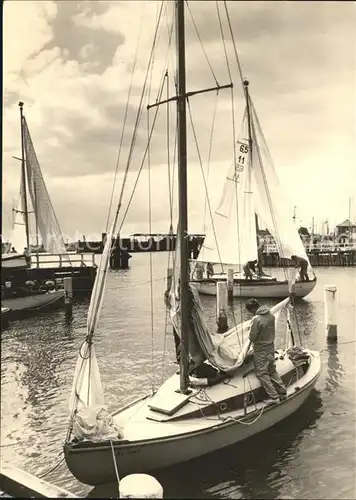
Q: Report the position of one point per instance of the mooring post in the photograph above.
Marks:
(140, 486)
(230, 285)
(330, 301)
(221, 306)
(68, 295)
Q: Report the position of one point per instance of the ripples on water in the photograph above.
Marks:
(309, 455)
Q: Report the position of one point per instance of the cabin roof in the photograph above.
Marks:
(346, 223)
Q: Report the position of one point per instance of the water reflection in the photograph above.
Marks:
(335, 370)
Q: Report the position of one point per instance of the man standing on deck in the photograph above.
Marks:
(303, 264)
(262, 336)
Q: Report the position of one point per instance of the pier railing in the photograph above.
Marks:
(323, 246)
(40, 260)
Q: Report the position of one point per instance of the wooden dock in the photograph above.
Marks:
(16, 483)
(55, 267)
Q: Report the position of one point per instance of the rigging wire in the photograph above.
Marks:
(202, 170)
(140, 167)
(138, 117)
(170, 227)
(124, 122)
(234, 45)
(201, 44)
(150, 230)
(209, 154)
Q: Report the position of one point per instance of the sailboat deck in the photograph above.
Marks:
(139, 422)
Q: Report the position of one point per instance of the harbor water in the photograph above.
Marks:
(310, 455)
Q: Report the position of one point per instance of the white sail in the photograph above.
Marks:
(87, 388)
(46, 219)
(270, 202)
(231, 235)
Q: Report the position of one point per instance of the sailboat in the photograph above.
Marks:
(251, 192)
(41, 221)
(28, 225)
(214, 401)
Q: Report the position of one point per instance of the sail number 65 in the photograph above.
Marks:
(243, 148)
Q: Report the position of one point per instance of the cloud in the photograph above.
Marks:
(72, 67)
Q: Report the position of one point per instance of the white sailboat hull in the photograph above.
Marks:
(264, 288)
(154, 445)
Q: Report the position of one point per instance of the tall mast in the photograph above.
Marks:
(250, 153)
(23, 172)
(182, 194)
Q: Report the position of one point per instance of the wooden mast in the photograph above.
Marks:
(182, 195)
(23, 173)
(250, 147)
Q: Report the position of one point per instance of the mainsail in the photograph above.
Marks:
(46, 220)
(251, 186)
(270, 202)
(231, 235)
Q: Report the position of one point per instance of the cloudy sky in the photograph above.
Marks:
(71, 64)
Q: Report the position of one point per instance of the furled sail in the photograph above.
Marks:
(231, 235)
(87, 389)
(46, 219)
(270, 202)
(226, 352)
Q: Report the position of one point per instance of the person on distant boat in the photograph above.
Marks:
(27, 255)
(249, 269)
(262, 336)
(13, 250)
(209, 270)
(303, 264)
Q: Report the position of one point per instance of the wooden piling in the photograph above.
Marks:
(20, 484)
(330, 301)
(68, 295)
(230, 285)
(221, 306)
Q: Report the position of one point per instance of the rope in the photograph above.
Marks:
(115, 463)
(340, 343)
(52, 469)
